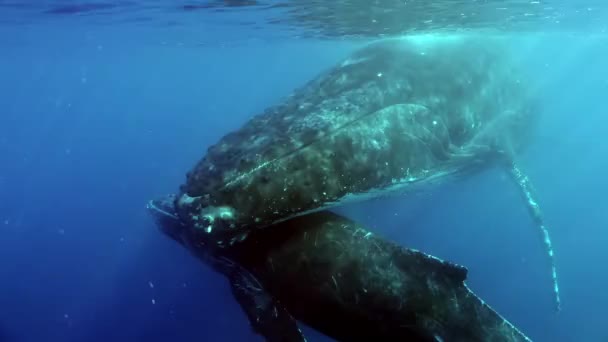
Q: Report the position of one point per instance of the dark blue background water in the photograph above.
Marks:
(96, 121)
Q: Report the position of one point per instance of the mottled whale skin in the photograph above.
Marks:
(344, 281)
(397, 113)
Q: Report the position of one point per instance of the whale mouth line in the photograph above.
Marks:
(167, 221)
(152, 206)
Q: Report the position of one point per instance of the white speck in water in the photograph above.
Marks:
(153, 301)
(66, 316)
(151, 284)
(379, 74)
(434, 122)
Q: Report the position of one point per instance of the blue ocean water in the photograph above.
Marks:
(98, 116)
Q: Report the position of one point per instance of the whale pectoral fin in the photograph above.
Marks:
(266, 315)
(526, 190)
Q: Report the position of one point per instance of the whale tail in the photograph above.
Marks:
(527, 191)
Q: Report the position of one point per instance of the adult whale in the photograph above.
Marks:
(397, 114)
(342, 280)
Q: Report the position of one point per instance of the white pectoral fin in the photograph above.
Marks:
(526, 190)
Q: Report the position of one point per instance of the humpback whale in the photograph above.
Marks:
(396, 115)
(337, 277)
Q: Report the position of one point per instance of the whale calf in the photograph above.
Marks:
(340, 279)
